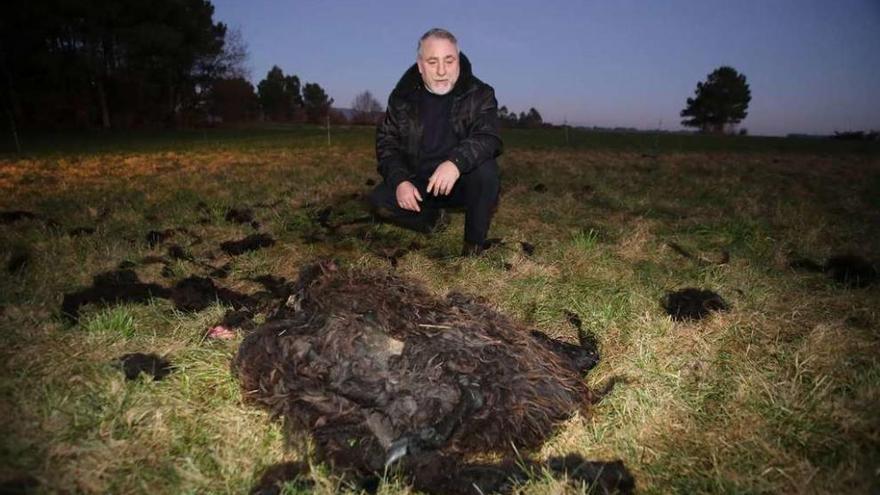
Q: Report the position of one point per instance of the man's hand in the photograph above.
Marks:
(408, 196)
(442, 180)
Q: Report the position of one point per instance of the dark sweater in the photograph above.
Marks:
(438, 140)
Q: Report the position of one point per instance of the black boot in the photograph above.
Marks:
(471, 249)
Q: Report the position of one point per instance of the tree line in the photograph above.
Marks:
(129, 63)
(525, 120)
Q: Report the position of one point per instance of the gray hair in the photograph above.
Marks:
(437, 33)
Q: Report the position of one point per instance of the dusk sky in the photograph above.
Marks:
(813, 66)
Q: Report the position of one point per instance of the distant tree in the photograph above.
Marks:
(533, 119)
(98, 62)
(506, 118)
(721, 101)
(366, 109)
(233, 100)
(337, 117)
(317, 103)
(279, 95)
(856, 135)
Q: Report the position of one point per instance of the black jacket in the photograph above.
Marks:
(474, 116)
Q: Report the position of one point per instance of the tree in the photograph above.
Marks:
(721, 101)
(233, 100)
(168, 45)
(317, 104)
(506, 118)
(366, 110)
(232, 60)
(533, 119)
(105, 62)
(280, 96)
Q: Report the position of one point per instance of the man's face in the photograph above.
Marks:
(438, 65)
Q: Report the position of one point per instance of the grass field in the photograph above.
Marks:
(781, 394)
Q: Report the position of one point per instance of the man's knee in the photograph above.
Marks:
(485, 176)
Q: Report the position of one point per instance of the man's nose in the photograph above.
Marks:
(441, 69)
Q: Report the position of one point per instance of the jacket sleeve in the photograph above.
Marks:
(390, 148)
(483, 139)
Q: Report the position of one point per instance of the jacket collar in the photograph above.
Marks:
(411, 81)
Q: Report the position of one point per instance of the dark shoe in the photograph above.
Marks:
(471, 249)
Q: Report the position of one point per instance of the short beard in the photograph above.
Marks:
(439, 93)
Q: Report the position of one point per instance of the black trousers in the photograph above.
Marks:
(476, 192)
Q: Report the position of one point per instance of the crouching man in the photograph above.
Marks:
(437, 145)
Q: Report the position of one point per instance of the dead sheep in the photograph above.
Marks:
(379, 372)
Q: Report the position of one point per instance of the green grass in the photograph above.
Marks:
(778, 395)
(273, 136)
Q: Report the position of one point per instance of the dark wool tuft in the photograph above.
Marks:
(693, 304)
(851, 270)
(240, 215)
(135, 364)
(249, 243)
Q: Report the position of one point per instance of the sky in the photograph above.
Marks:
(813, 66)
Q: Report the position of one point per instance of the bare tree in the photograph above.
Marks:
(366, 109)
(234, 56)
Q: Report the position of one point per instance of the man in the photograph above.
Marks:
(437, 145)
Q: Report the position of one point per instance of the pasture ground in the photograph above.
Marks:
(778, 395)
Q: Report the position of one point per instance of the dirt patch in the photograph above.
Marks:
(240, 215)
(375, 369)
(692, 304)
(150, 364)
(197, 293)
(177, 252)
(18, 261)
(80, 231)
(123, 286)
(279, 287)
(111, 287)
(156, 237)
(13, 216)
(849, 270)
(250, 243)
(222, 271)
